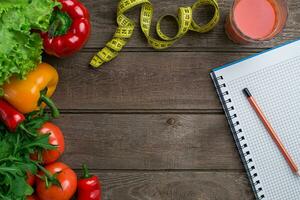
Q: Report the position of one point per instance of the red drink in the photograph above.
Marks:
(256, 20)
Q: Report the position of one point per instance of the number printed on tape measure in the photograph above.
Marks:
(125, 28)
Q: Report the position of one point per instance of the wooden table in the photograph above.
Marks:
(149, 123)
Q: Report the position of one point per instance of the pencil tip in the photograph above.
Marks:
(298, 173)
(247, 92)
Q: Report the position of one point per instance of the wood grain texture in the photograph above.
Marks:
(175, 186)
(132, 121)
(141, 80)
(148, 141)
(103, 13)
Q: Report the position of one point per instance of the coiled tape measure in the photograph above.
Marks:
(126, 26)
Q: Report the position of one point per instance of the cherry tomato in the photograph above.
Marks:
(30, 179)
(67, 178)
(56, 138)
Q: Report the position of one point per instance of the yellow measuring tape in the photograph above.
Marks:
(126, 26)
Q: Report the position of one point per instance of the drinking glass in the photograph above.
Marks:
(256, 20)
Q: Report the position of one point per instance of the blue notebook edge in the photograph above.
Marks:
(254, 55)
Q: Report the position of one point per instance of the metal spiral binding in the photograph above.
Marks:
(240, 138)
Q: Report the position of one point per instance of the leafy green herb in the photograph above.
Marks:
(20, 46)
(15, 151)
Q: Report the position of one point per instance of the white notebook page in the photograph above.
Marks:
(273, 79)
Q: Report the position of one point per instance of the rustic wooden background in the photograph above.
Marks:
(149, 123)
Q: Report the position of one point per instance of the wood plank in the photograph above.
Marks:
(175, 186)
(148, 141)
(141, 80)
(103, 15)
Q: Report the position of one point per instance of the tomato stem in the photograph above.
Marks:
(49, 178)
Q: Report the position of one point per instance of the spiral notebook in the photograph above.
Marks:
(274, 79)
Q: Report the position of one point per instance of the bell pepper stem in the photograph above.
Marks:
(60, 23)
(54, 110)
(86, 173)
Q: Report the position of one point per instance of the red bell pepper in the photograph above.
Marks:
(89, 187)
(69, 29)
(10, 116)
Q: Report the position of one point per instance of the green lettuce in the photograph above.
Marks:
(20, 43)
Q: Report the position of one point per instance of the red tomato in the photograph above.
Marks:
(30, 179)
(32, 197)
(67, 178)
(56, 138)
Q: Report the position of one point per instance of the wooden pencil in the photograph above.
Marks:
(272, 132)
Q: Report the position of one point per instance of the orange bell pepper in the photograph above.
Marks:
(33, 92)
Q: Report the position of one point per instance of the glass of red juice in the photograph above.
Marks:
(256, 20)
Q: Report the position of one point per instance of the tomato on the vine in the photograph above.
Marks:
(56, 138)
(65, 176)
